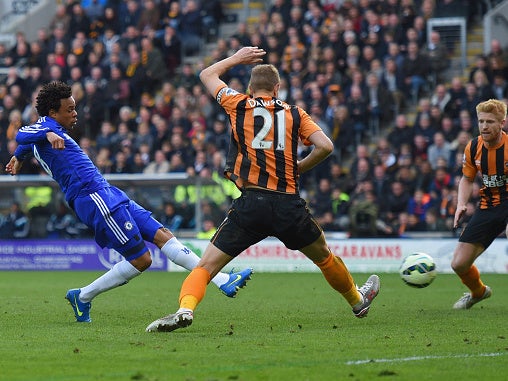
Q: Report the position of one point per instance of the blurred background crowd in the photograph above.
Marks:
(366, 71)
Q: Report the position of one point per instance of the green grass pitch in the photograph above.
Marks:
(280, 327)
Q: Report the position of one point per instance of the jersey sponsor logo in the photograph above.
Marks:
(494, 181)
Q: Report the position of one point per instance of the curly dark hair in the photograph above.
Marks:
(50, 96)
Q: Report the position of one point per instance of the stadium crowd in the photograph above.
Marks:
(358, 67)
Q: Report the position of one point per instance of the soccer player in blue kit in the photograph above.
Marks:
(117, 221)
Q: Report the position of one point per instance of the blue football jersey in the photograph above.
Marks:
(71, 168)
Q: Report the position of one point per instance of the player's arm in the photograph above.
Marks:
(210, 76)
(464, 193)
(323, 147)
(37, 133)
(32, 134)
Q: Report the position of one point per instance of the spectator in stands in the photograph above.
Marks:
(104, 138)
(419, 204)
(16, 223)
(136, 75)
(497, 58)
(342, 131)
(13, 78)
(37, 54)
(339, 179)
(471, 99)
(432, 221)
(440, 148)
(441, 98)
(379, 100)
(110, 20)
(170, 218)
(420, 28)
(5, 57)
(358, 111)
(60, 34)
(415, 69)
(442, 181)
(219, 136)
(103, 161)
(482, 64)
(94, 107)
(129, 15)
(362, 171)
(121, 164)
(402, 133)
(381, 181)
(438, 55)
(395, 202)
(191, 27)
(500, 87)
(393, 30)
(153, 62)
(425, 128)
(149, 19)
(457, 92)
(394, 54)
(171, 48)
(483, 86)
(62, 223)
(436, 115)
(425, 175)
(321, 201)
(282, 7)
(20, 52)
(406, 175)
(79, 22)
(393, 81)
(448, 128)
(158, 165)
(187, 78)
(116, 93)
(138, 164)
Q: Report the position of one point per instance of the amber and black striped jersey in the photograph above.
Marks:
(264, 140)
(492, 165)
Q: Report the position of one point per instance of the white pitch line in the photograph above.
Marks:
(419, 358)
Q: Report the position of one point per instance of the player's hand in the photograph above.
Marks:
(57, 142)
(458, 215)
(13, 166)
(250, 55)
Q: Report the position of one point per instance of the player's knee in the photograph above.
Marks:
(142, 263)
(458, 266)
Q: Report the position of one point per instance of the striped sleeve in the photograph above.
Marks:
(32, 134)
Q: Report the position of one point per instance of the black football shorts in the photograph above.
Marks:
(258, 214)
(485, 225)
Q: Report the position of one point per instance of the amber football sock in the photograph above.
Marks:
(194, 288)
(338, 276)
(472, 280)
